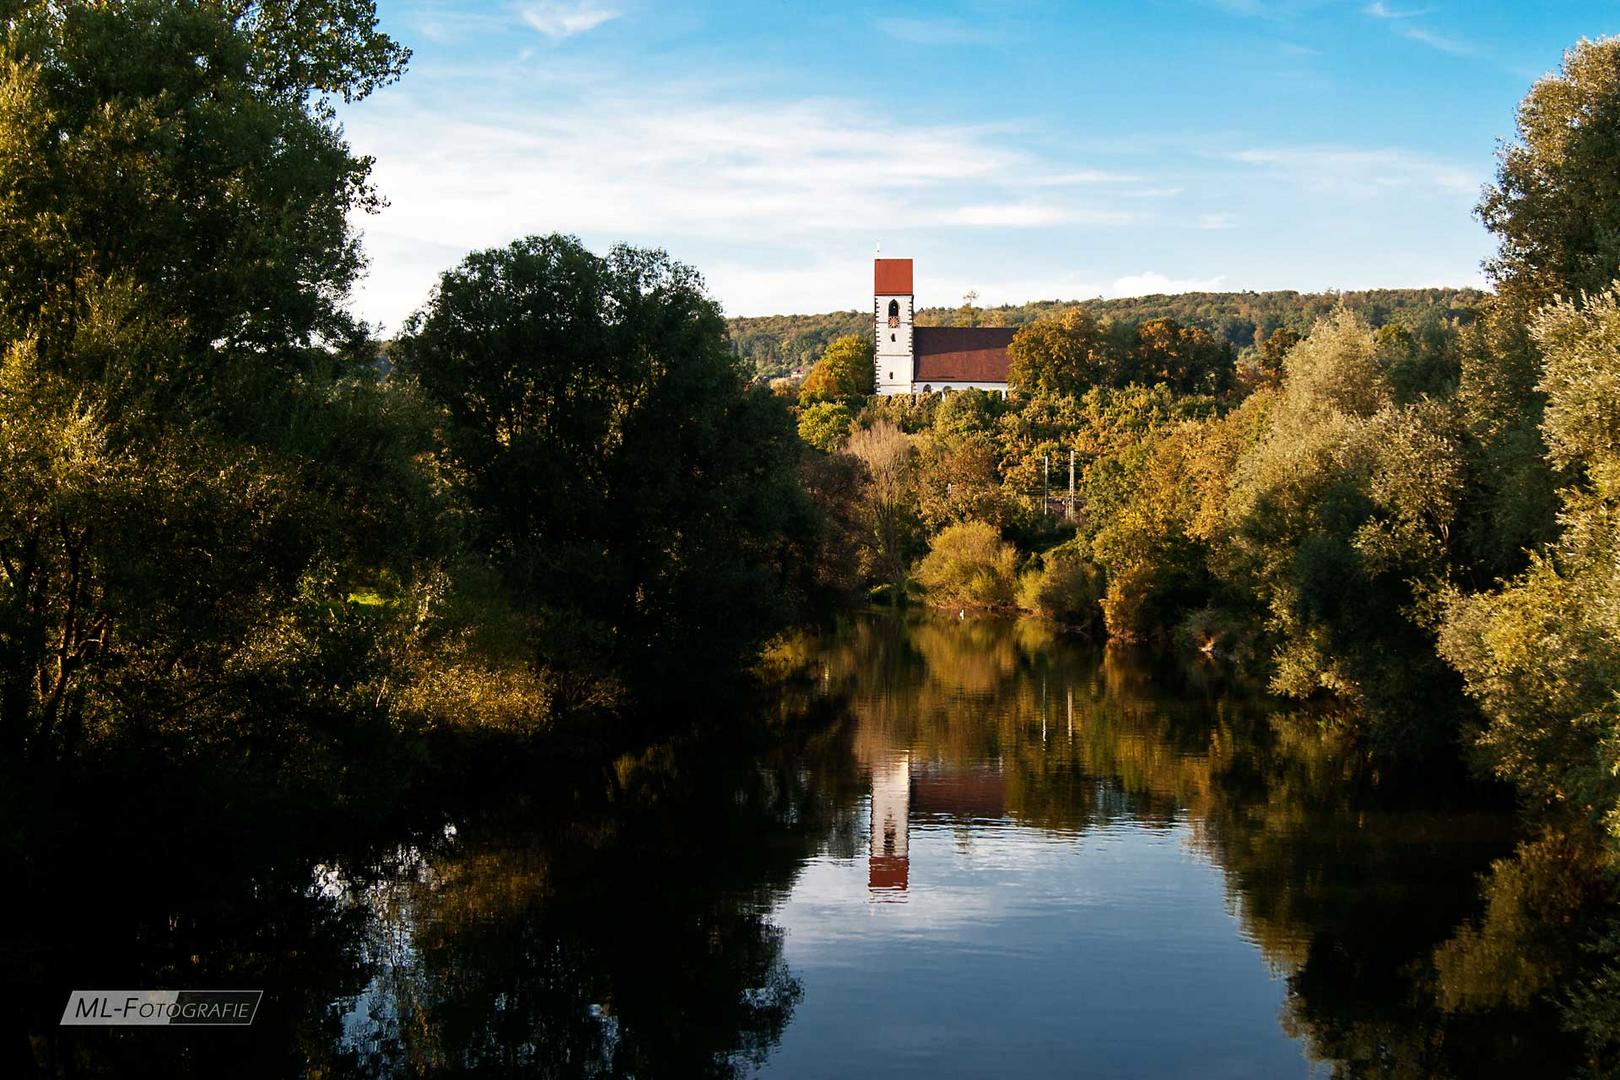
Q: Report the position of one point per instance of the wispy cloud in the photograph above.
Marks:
(1400, 24)
(1029, 215)
(692, 166)
(935, 31)
(558, 19)
(1082, 176)
(1380, 10)
(1445, 43)
(1360, 172)
(1217, 221)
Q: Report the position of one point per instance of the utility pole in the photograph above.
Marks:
(1071, 485)
(1046, 485)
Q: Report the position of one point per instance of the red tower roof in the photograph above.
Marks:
(891, 277)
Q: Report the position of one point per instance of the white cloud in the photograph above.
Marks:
(1027, 215)
(1444, 42)
(558, 19)
(1082, 176)
(1362, 173)
(1216, 221)
(822, 179)
(1380, 10)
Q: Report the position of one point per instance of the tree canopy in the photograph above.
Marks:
(1555, 206)
(844, 372)
(633, 489)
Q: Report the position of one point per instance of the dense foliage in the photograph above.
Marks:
(636, 496)
(196, 457)
(844, 373)
(229, 521)
(230, 530)
(777, 344)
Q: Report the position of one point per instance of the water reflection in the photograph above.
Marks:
(962, 847)
(889, 864)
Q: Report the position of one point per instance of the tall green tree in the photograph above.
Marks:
(198, 463)
(1555, 207)
(1187, 358)
(1339, 519)
(1542, 656)
(635, 492)
(1066, 355)
(192, 147)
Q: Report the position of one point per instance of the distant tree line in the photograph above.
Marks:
(774, 345)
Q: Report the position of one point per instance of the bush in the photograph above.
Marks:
(969, 565)
(1064, 585)
(825, 424)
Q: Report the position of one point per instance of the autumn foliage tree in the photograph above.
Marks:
(843, 374)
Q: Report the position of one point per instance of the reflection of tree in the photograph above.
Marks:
(1542, 939)
(1347, 880)
(169, 908)
(571, 935)
(633, 942)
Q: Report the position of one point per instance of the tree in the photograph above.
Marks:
(1063, 585)
(191, 147)
(969, 564)
(968, 412)
(638, 496)
(1155, 568)
(1555, 206)
(198, 464)
(958, 479)
(1339, 520)
(1542, 655)
(1066, 355)
(1187, 358)
(825, 424)
(844, 372)
(887, 514)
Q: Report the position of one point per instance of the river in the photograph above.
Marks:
(945, 847)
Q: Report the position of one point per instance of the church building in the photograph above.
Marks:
(930, 359)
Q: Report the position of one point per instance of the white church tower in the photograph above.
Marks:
(892, 312)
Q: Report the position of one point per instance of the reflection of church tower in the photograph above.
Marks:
(890, 862)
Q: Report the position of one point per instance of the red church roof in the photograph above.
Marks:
(947, 354)
(891, 277)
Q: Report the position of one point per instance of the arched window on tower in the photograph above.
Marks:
(894, 313)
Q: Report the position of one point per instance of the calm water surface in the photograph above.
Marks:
(963, 848)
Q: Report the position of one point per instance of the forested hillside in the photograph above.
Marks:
(775, 344)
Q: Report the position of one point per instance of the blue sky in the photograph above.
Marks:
(1024, 150)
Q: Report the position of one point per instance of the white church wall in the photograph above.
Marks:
(894, 352)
